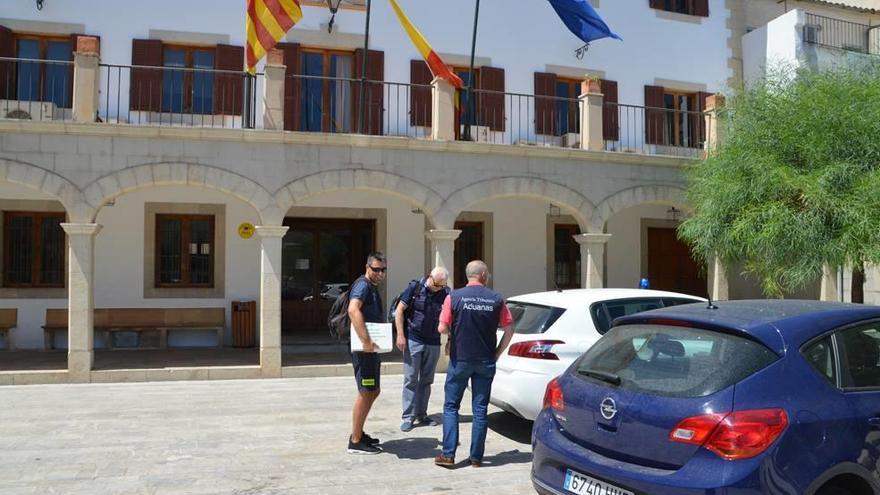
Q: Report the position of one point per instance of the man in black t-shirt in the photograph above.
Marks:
(365, 306)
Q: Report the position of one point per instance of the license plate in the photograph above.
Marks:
(584, 485)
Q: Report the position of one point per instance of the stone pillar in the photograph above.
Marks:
(592, 259)
(443, 254)
(273, 90)
(591, 99)
(718, 287)
(713, 103)
(86, 79)
(270, 299)
(874, 40)
(829, 288)
(80, 299)
(442, 110)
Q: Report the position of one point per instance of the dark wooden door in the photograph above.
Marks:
(670, 266)
(468, 247)
(320, 258)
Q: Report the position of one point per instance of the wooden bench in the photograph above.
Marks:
(8, 321)
(161, 320)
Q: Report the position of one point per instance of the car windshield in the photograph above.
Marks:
(533, 318)
(672, 361)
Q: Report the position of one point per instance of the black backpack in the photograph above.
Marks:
(392, 308)
(338, 321)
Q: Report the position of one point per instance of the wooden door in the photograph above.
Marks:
(320, 258)
(670, 266)
(468, 247)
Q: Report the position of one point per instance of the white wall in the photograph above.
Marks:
(774, 44)
(522, 40)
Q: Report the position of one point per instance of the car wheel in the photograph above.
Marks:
(833, 490)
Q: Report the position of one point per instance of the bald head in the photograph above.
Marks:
(476, 269)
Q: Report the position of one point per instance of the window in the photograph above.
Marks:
(674, 361)
(688, 7)
(531, 318)
(567, 114)
(184, 251)
(821, 356)
(188, 91)
(44, 81)
(681, 119)
(567, 256)
(33, 249)
(604, 313)
(861, 346)
(466, 113)
(326, 104)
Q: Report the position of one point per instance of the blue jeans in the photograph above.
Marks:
(480, 374)
(419, 364)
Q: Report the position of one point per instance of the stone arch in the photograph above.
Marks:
(48, 182)
(571, 201)
(188, 174)
(359, 179)
(621, 200)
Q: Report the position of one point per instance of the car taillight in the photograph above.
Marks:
(553, 396)
(535, 349)
(732, 436)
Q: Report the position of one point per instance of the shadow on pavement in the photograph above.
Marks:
(512, 427)
(509, 457)
(413, 447)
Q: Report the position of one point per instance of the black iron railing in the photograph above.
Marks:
(33, 89)
(837, 33)
(179, 96)
(332, 105)
(654, 131)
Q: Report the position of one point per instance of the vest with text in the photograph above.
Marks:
(476, 312)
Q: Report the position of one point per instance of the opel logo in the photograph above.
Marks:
(608, 408)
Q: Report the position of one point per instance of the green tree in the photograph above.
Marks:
(795, 182)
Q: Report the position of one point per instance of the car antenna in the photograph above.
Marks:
(558, 288)
(710, 305)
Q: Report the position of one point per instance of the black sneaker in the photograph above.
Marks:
(362, 448)
(367, 439)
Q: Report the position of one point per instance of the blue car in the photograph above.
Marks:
(739, 397)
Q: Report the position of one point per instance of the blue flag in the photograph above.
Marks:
(581, 19)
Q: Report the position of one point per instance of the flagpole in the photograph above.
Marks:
(471, 110)
(361, 97)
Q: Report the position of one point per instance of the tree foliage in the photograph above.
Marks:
(795, 182)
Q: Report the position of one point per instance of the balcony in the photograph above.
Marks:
(799, 39)
(89, 91)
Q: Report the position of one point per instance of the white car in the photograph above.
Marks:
(552, 329)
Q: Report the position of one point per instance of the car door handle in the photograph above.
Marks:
(874, 422)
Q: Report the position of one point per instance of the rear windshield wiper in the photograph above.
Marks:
(601, 375)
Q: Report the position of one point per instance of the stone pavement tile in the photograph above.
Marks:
(240, 436)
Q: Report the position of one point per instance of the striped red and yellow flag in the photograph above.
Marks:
(267, 22)
(435, 63)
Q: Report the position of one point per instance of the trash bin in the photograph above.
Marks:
(244, 323)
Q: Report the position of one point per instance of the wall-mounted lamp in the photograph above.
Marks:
(417, 211)
(673, 213)
(39, 4)
(555, 211)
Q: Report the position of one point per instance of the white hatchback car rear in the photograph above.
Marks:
(554, 328)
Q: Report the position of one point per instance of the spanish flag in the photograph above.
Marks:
(267, 21)
(435, 63)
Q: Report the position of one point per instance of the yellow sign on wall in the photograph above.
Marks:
(246, 230)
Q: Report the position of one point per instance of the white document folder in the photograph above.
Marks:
(380, 333)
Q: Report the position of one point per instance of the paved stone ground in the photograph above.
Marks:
(238, 437)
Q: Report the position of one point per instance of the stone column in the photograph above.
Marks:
(718, 287)
(270, 299)
(443, 254)
(874, 40)
(591, 99)
(829, 288)
(442, 110)
(592, 259)
(80, 299)
(273, 90)
(86, 79)
(714, 103)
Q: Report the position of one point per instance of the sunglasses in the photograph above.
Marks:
(378, 269)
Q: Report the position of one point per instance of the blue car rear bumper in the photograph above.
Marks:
(554, 453)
